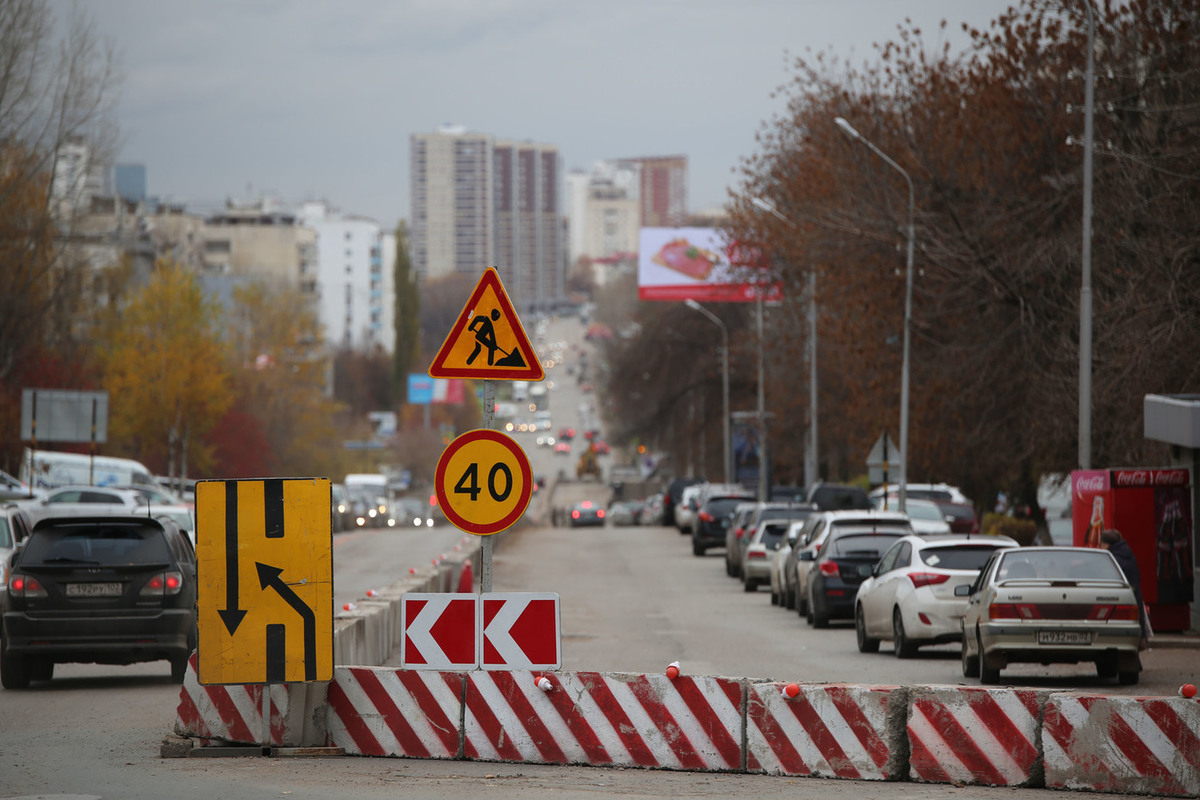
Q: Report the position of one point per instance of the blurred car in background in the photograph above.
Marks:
(961, 516)
(760, 551)
(735, 545)
(713, 518)
(12, 489)
(585, 513)
(75, 500)
(340, 516)
(909, 599)
(688, 507)
(1047, 605)
(111, 589)
(15, 525)
(837, 496)
(625, 512)
(927, 517)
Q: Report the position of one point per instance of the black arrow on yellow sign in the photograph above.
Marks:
(231, 614)
(276, 658)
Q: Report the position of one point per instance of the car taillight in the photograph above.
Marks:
(575, 514)
(829, 568)
(755, 554)
(25, 586)
(164, 584)
(920, 579)
(1013, 611)
(1104, 613)
(600, 513)
(706, 517)
(738, 533)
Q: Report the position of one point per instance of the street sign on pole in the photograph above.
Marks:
(264, 552)
(483, 482)
(882, 460)
(487, 341)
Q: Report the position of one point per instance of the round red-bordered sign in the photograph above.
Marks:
(483, 482)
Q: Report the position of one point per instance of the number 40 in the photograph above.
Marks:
(468, 484)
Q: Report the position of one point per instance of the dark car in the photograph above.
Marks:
(837, 496)
(713, 519)
(585, 512)
(672, 495)
(843, 563)
(107, 590)
(737, 540)
(961, 516)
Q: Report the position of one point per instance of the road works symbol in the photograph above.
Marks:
(483, 482)
(264, 553)
(487, 341)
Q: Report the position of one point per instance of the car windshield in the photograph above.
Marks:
(6, 538)
(862, 545)
(928, 494)
(959, 556)
(103, 544)
(923, 511)
(772, 535)
(722, 506)
(1079, 564)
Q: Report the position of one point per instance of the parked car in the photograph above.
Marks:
(961, 516)
(15, 525)
(837, 496)
(798, 566)
(75, 500)
(927, 517)
(672, 496)
(938, 492)
(585, 512)
(110, 589)
(13, 489)
(735, 544)
(1046, 605)
(756, 565)
(779, 595)
(714, 516)
(909, 599)
(625, 512)
(340, 516)
(739, 521)
(688, 508)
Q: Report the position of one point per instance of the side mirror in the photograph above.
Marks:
(962, 590)
(807, 555)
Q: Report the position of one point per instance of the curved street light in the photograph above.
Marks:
(692, 304)
(848, 129)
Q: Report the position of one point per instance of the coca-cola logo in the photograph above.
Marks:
(1150, 477)
(1090, 483)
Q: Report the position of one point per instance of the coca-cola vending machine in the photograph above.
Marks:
(1152, 509)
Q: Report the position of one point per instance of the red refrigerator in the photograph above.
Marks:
(1152, 509)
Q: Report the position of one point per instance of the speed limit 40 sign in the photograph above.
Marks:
(483, 482)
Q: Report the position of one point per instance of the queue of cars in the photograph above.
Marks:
(920, 578)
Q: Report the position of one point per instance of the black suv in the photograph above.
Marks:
(838, 497)
(99, 589)
(713, 518)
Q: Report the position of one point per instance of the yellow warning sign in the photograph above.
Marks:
(265, 557)
(487, 341)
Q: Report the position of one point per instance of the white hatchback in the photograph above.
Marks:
(910, 599)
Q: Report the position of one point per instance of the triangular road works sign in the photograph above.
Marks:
(487, 341)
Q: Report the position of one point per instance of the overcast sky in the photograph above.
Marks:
(301, 99)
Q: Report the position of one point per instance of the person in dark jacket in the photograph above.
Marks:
(1112, 541)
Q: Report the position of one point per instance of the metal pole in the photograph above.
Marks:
(1085, 289)
(692, 304)
(849, 130)
(485, 550)
(762, 421)
(814, 463)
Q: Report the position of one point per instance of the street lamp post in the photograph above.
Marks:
(692, 304)
(1085, 288)
(848, 129)
(811, 462)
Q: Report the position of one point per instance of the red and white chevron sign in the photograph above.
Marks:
(520, 630)
(440, 631)
(496, 630)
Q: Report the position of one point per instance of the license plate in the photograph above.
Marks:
(93, 590)
(1064, 637)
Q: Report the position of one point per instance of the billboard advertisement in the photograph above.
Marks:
(423, 390)
(701, 264)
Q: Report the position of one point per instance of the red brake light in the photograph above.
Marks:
(25, 586)
(164, 583)
(1104, 613)
(706, 517)
(1013, 611)
(755, 554)
(920, 579)
(829, 568)
(738, 533)
(600, 513)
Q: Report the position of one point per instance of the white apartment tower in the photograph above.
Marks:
(478, 202)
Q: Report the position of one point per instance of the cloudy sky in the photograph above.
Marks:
(301, 99)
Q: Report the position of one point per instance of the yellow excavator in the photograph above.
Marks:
(587, 464)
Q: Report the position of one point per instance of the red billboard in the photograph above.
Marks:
(701, 264)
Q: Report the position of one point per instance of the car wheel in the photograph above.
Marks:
(789, 599)
(697, 548)
(987, 673)
(1129, 678)
(970, 663)
(41, 669)
(865, 643)
(1106, 667)
(750, 585)
(774, 596)
(801, 605)
(14, 670)
(904, 647)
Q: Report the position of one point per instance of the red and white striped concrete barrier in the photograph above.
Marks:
(395, 712)
(228, 713)
(974, 735)
(1139, 745)
(827, 730)
(604, 720)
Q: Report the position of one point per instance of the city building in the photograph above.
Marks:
(478, 202)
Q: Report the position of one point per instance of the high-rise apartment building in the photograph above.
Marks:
(662, 189)
(478, 202)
